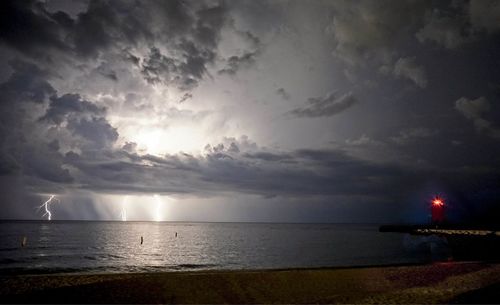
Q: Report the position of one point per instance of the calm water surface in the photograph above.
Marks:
(90, 247)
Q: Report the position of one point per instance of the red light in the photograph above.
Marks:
(437, 208)
(437, 202)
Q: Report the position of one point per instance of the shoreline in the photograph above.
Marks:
(196, 270)
(445, 282)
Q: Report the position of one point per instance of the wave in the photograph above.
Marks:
(195, 266)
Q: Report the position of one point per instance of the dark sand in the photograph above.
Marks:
(436, 283)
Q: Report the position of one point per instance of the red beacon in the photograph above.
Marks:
(437, 210)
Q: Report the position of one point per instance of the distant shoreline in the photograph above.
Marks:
(447, 282)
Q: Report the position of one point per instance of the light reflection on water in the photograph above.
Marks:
(116, 247)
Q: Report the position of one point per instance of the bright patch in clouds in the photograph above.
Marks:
(155, 139)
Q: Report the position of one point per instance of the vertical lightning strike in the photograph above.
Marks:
(123, 212)
(159, 208)
(46, 206)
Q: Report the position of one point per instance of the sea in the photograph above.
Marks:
(111, 247)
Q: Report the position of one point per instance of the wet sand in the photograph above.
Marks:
(435, 283)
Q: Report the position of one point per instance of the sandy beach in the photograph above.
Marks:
(435, 283)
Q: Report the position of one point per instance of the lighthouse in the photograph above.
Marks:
(437, 209)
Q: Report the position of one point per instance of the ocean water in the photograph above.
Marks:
(95, 247)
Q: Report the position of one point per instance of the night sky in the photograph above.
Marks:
(289, 111)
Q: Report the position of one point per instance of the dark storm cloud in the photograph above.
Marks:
(69, 105)
(129, 147)
(282, 92)
(27, 83)
(189, 28)
(329, 105)
(299, 174)
(185, 97)
(254, 40)
(81, 117)
(302, 173)
(268, 156)
(92, 31)
(108, 73)
(197, 36)
(445, 28)
(234, 63)
(85, 122)
(225, 168)
(54, 145)
(209, 23)
(96, 130)
(21, 154)
(25, 88)
(8, 165)
(449, 24)
(27, 27)
(185, 73)
(23, 151)
(485, 14)
(360, 39)
(157, 65)
(102, 25)
(394, 35)
(475, 111)
(45, 165)
(408, 135)
(407, 68)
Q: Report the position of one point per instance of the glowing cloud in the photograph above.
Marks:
(155, 140)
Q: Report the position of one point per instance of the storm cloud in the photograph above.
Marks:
(351, 104)
(329, 105)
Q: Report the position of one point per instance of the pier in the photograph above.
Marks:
(465, 242)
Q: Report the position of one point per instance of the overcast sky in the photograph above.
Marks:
(301, 111)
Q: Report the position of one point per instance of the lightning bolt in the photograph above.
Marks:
(46, 206)
(158, 211)
(123, 212)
